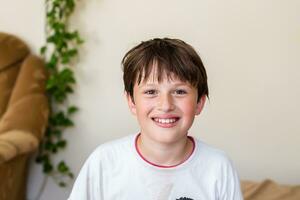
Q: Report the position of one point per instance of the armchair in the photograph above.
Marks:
(23, 113)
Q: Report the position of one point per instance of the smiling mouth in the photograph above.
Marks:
(166, 121)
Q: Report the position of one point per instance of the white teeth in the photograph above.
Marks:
(165, 121)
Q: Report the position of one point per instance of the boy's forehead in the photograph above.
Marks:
(157, 73)
(155, 77)
(152, 80)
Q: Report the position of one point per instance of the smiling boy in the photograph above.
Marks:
(166, 87)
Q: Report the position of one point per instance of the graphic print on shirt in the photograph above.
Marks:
(184, 198)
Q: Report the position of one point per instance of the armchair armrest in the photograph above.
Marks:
(16, 142)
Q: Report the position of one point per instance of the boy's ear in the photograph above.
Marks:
(131, 103)
(200, 105)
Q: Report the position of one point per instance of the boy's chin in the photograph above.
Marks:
(166, 136)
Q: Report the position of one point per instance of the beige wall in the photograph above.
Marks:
(251, 52)
(24, 19)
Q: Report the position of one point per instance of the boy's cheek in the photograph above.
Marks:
(189, 107)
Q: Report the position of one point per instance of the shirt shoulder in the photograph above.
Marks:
(112, 151)
(105, 159)
(221, 170)
(213, 161)
(210, 154)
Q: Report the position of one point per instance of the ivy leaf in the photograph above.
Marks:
(72, 109)
(62, 184)
(61, 144)
(60, 119)
(79, 41)
(47, 166)
(77, 38)
(50, 14)
(67, 76)
(68, 89)
(53, 62)
(62, 167)
(51, 82)
(43, 50)
(71, 175)
(49, 145)
(57, 132)
(39, 159)
(59, 26)
(59, 96)
(68, 122)
(67, 55)
(52, 39)
(72, 52)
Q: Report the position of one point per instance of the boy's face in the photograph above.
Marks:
(165, 110)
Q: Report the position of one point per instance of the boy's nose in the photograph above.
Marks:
(165, 103)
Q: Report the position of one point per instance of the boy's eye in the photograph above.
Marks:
(180, 92)
(150, 92)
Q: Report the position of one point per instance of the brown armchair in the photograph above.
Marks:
(23, 113)
(269, 190)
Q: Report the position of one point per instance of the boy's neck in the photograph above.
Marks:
(164, 155)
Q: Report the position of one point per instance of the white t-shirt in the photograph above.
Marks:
(116, 171)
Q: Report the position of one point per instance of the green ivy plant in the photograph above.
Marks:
(59, 53)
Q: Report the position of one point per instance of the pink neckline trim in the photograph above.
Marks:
(163, 166)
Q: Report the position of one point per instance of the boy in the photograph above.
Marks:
(166, 86)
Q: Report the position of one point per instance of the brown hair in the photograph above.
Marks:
(170, 57)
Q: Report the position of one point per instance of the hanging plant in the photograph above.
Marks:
(59, 52)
